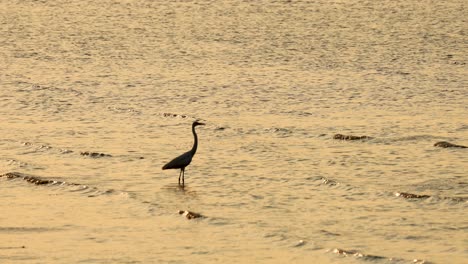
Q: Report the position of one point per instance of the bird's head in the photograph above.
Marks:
(197, 123)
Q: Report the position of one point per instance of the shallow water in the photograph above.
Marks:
(274, 81)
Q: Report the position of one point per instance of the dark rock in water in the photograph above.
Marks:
(190, 215)
(356, 253)
(329, 182)
(66, 151)
(350, 137)
(94, 154)
(412, 195)
(37, 181)
(173, 115)
(92, 191)
(31, 179)
(375, 258)
(425, 196)
(12, 175)
(445, 144)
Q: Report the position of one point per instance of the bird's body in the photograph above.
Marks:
(184, 160)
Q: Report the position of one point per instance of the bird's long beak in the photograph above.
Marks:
(198, 123)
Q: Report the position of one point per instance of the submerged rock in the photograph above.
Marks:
(173, 115)
(300, 243)
(412, 195)
(356, 253)
(425, 196)
(329, 182)
(74, 187)
(350, 137)
(190, 215)
(445, 144)
(30, 179)
(94, 154)
(66, 151)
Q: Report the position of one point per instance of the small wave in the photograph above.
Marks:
(414, 138)
(360, 255)
(175, 115)
(406, 195)
(331, 183)
(279, 131)
(38, 147)
(445, 144)
(17, 163)
(300, 243)
(412, 196)
(72, 187)
(298, 113)
(26, 229)
(462, 128)
(34, 148)
(124, 110)
(39, 87)
(13, 247)
(328, 233)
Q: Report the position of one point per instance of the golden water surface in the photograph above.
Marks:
(273, 81)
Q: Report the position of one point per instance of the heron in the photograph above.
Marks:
(184, 160)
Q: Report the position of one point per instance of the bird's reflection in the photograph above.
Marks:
(182, 189)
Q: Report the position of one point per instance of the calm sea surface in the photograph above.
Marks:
(274, 81)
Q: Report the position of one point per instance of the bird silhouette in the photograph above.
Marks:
(184, 160)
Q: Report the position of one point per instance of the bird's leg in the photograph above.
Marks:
(183, 176)
(180, 173)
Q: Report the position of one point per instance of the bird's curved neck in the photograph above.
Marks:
(195, 141)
